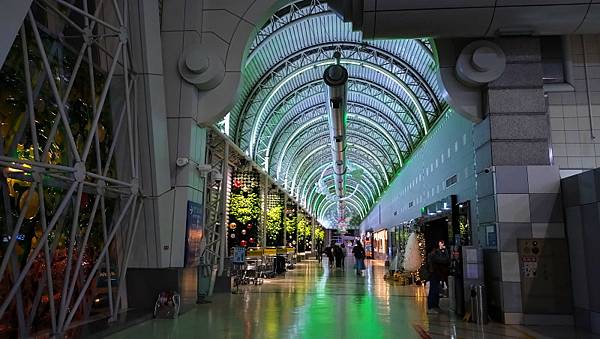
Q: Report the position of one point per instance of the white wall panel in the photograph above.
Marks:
(421, 182)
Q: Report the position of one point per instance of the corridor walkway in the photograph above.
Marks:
(314, 302)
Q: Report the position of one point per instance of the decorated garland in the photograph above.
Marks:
(244, 207)
(244, 210)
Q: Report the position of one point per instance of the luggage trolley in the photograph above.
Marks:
(254, 268)
(252, 273)
(269, 270)
(291, 258)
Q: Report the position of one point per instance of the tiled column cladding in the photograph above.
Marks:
(518, 192)
(582, 209)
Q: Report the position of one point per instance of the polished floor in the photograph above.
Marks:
(314, 302)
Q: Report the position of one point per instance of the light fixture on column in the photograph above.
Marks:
(216, 177)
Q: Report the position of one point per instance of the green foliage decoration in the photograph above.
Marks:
(319, 234)
(274, 226)
(303, 226)
(244, 208)
(290, 225)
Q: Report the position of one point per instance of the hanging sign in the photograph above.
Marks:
(239, 255)
(194, 234)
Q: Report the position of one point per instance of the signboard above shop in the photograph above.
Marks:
(440, 207)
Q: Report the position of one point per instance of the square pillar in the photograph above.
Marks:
(518, 191)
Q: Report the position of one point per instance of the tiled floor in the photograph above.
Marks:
(314, 302)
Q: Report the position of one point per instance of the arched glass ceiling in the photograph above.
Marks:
(281, 120)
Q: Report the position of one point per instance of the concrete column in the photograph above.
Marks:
(180, 28)
(154, 237)
(582, 215)
(312, 234)
(11, 19)
(518, 191)
(285, 201)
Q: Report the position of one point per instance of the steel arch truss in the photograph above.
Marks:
(304, 153)
(369, 101)
(285, 17)
(418, 98)
(281, 120)
(97, 192)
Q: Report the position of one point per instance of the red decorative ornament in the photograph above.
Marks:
(243, 243)
(251, 240)
(237, 183)
(249, 226)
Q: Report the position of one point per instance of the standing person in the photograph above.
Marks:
(339, 255)
(438, 261)
(359, 256)
(320, 252)
(344, 255)
(329, 253)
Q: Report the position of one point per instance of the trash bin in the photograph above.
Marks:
(479, 304)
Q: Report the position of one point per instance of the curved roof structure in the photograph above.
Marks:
(281, 122)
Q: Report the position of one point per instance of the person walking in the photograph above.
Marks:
(329, 253)
(339, 255)
(438, 261)
(320, 252)
(344, 255)
(359, 256)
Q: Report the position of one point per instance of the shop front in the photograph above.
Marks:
(449, 220)
(411, 241)
(380, 244)
(367, 240)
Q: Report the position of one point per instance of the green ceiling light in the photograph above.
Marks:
(379, 163)
(274, 91)
(302, 128)
(382, 131)
(310, 182)
(306, 158)
(298, 168)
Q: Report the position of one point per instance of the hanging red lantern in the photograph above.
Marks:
(249, 226)
(243, 243)
(251, 240)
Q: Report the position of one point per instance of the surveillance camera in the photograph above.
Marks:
(182, 162)
(489, 169)
(218, 177)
